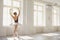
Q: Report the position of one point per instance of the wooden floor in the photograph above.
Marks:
(45, 36)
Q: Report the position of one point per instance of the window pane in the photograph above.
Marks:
(7, 2)
(6, 17)
(54, 22)
(55, 18)
(16, 4)
(40, 19)
(40, 8)
(35, 18)
(35, 7)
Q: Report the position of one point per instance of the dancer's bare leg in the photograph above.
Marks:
(15, 30)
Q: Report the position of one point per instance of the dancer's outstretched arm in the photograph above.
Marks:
(19, 12)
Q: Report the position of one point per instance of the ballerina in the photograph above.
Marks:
(15, 17)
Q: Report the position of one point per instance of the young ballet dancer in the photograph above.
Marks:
(15, 17)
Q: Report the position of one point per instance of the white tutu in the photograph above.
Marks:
(13, 24)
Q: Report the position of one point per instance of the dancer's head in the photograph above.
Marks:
(15, 13)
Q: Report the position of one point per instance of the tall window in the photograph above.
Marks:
(7, 5)
(55, 16)
(39, 14)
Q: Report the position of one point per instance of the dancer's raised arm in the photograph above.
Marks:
(19, 12)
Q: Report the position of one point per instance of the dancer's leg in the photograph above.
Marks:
(15, 30)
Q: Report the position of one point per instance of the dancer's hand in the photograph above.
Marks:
(11, 9)
(18, 8)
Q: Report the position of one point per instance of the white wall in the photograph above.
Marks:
(27, 27)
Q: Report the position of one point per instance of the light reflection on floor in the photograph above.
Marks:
(46, 36)
(12, 38)
(20, 38)
(50, 34)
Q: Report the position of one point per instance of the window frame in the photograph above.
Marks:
(43, 12)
